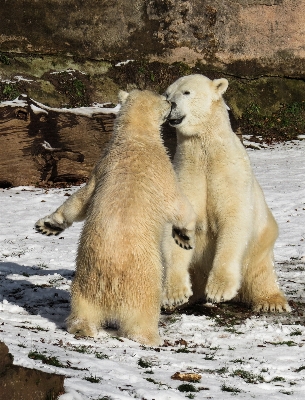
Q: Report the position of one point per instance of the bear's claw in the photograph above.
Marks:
(174, 298)
(276, 303)
(183, 246)
(181, 239)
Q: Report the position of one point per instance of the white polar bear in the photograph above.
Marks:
(235, 230)
(131, 196)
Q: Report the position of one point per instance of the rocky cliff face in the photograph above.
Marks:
(74, 52)
(226, 34)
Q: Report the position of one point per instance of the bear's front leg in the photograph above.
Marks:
(224, 279)
(223, 283)
(177, 289)
(72, 210)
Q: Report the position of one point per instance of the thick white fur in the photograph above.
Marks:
(131, 198)
(235, 230)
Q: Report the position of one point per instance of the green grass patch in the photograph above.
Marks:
(4, 59)
(92, 379)
(289, 343)
(183, 350)
(230, 389)
(9, 91)
(152, 381)
(238, 361)
(248, 377)
(284, 124)
(296, 332)
(34, 355)
(278, 379)
(187, 387)
(82, 349)
(101, 356)
(144, 363)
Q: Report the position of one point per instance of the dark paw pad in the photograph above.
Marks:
(55, 228)
(180, 234)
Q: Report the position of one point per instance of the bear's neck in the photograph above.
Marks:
(126, 130)
(200, 143)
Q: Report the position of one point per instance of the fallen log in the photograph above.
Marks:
(44, 146)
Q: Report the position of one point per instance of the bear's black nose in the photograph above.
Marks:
(174, 105)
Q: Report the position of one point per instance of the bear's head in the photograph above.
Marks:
(143, 107)
(192, 98)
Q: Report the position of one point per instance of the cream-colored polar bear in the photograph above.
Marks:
(235, 230)
(131, 196)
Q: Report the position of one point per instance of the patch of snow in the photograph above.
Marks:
(19, 78)
(119, 64)
(20, 101)
(38, 110)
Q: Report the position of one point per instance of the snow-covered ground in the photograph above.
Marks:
(238, 354)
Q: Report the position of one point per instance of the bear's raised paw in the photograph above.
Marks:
(183, 239)
(48, 228)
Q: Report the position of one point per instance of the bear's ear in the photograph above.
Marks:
(122, 96)
(220, 86)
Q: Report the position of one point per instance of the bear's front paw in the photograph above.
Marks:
(176, 296)
(49, 227)
(183, 238)
(221, 288)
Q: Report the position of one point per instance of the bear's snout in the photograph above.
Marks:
(173, 105)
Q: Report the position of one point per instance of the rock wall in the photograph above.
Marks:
(72, 53)
(230, 35)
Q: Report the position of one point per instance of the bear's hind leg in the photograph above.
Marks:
(260, 288)
(85, 318)
(141, 325)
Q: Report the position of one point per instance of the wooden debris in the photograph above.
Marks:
(186, 376)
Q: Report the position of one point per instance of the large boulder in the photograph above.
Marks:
(20, 383)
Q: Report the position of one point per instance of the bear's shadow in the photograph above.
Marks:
(42, 299)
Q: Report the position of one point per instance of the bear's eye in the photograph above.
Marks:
(186, 92)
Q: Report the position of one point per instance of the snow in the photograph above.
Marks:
(20, 101)
(39, 108)
(119, 64)
(257, 356)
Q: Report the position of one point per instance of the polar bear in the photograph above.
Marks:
(131, 197)
(235, 229)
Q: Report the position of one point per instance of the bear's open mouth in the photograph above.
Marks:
(176, 121)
